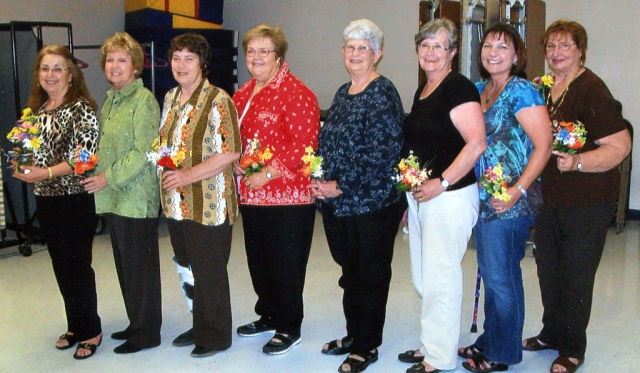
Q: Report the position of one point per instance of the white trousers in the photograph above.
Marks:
(439, 231)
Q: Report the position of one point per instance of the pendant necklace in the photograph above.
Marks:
(488, 99)
(553, 107)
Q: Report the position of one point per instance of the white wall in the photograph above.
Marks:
(314, 29)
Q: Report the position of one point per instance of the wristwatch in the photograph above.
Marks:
(444, 182)
(267, 173)
(579, 165)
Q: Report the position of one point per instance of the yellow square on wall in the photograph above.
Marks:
(133, 5)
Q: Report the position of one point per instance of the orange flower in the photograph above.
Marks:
(305, 170)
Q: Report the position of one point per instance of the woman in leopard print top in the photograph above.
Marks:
(66, 212)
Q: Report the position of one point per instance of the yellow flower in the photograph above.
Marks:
(35, 143)
(547, 80)
(26, 113)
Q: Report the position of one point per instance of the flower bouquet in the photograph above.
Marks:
(254, 157)
(568, 136)
(82, 161)
(27, 135)
(410, 174)
(543, 81)
(494, 182)
(312, 164)
(166, 157)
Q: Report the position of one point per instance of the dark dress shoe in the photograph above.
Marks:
(127, 348)
(122, 335)
(184, 339)
(203, 352)
(254, 328)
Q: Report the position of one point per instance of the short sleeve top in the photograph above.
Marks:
(509, 145)
(588, 100)
(428, 130)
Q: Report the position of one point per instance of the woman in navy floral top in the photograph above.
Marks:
(360, 144)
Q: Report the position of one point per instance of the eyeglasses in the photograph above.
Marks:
(434, 47)
(56, 69)
(262, 53)
(362, 49)
(560, 46)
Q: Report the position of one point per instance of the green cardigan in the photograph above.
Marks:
(128, 125)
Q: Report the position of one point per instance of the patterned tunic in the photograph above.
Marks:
(361, 142)
(63, 129)
(508, 144)
(206, 124)
(286, 117)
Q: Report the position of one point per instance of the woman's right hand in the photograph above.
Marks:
(31, 174)
(237, 169)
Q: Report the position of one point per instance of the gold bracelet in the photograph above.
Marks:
(50, 173)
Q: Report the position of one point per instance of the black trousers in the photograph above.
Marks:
(206, 249)
(363, 246)
(69, 224)
(137, 258)
(570, 241)
(278, 241)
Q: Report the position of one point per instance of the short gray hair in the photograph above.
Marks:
(364, 29)
(433, 27)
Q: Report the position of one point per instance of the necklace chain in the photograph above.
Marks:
(553, 108)
(488, 99)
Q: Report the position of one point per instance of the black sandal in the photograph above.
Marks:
(334, 349)
(71, 341)
(534, 344)
(483, 365)
(470, 352)
(87, 346)
(409, 356)
(568, 365)
(356, 365)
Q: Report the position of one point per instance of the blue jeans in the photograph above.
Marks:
(500, 248)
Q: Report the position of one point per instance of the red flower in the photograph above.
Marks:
(82, 167)
(166, 162)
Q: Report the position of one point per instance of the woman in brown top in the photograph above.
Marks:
(579, 193)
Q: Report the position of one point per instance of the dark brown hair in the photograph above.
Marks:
(510, 35)
(194, 43)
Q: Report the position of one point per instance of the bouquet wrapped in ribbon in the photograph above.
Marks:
(312, 165)
(494, 182)
(254, 157)
(82, 161)
(410, 174)
(167, 157)
(568, 136)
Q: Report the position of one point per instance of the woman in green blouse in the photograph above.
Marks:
(127, 191)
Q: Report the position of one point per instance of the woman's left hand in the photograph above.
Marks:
(176, 178)
(31, 174)
(566, 161)
(502, 206)
(427, 191)
(95, 183)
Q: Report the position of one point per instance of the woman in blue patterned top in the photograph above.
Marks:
(518, 138)
(360, 144)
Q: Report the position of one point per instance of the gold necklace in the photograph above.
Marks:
(488, 99)
(553, 108)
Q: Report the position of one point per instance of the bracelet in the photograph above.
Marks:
(50, 173)
(521, 189)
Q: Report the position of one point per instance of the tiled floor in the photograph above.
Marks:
(31, 315)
